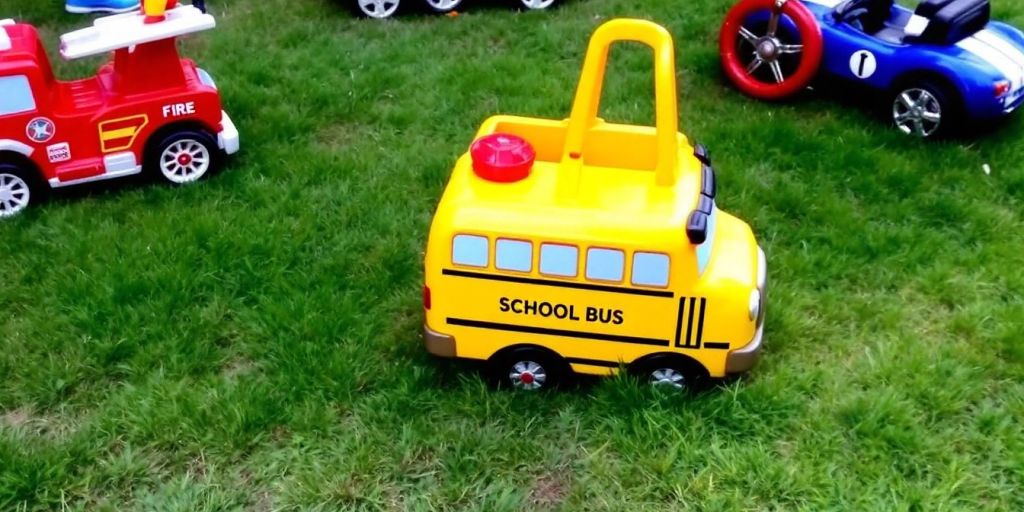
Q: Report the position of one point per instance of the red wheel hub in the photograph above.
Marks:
(768, 47)
(526, 378)
(184, 159)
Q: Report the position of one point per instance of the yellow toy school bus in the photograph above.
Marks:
(585, 246)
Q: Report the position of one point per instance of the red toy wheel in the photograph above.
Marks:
(775, 57)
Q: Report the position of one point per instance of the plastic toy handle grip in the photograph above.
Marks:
(588, 94)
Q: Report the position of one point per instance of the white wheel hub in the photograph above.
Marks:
(528, 375)
(378, 8)
(185, 161)
(444, 5)
(668, 377)
(14, 195)
(537, 4)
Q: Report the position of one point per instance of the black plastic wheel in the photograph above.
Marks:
(925, 109)
(20, 187)
(442, 6)
(671, 371)
(184, 156)
(529, 368)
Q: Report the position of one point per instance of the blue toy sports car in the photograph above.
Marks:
(939, 66)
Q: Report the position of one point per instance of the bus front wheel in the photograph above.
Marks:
(529, 368)
(671, 371)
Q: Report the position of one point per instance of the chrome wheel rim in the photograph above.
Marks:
(668, 378)
(528, 375)
(917, 112)
(537, 4)
(185, 161)
(378, 8)
(768, 47)
(14, 195)
(444, 5)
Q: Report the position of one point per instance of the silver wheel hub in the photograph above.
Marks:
(917, 112)
(185, 161)
(528, 375)
(768, 48)
(378, 8)
(14, 195)
(668, 378)
(444, 5)
(537, 4)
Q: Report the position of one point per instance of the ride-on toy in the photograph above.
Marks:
(382, 9)
(582, 245)
(938, 66)
(147, 111)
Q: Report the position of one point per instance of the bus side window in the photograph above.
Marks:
(515, 255)
(469, 250)
(605, 264)
(650, 269)
(559, 260)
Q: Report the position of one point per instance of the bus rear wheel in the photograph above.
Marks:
(671, 372)
(529, 369)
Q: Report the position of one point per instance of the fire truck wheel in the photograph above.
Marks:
(529, 368)
(536, 5)
(443, 6)
(671, 371)
(20, 187)
(183, 157)
(377, 9)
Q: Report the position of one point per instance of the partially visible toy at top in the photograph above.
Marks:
(120, 6)
(147, 111)
(583, 246)
(382, 9)
(938, 67)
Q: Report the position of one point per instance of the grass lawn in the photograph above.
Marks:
(253, 342)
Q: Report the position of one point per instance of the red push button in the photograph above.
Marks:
(502, 157)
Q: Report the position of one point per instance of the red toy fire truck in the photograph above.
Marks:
(147, 111)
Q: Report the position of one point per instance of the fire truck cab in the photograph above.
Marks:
(147, 111)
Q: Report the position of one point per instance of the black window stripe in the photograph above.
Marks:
(717, 345)
(679, 320)
(689, 323)
(558, 284)
(557, 332)
(700, 321)
(593, 362)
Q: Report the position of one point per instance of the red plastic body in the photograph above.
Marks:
(113, 114)
(735, 68)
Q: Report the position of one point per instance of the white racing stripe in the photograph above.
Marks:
(1003, 46)
(1005, 63)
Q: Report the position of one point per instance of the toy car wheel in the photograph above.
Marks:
(923, 110)
(443, 6)
(536, 5)
(770, 49)
(184, 157)
(671, 372)
(20, 187)
(377, 9)
(530, 369)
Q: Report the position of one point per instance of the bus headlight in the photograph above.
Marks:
(754, 304)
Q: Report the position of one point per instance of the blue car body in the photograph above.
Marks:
(883, 60)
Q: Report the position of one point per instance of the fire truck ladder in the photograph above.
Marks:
(129, 30)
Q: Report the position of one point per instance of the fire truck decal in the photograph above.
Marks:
(40, 129)
(58, 152)
(119, 134)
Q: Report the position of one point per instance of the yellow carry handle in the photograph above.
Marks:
(588, 95)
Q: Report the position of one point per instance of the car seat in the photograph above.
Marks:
(867, 15)
(950, 21)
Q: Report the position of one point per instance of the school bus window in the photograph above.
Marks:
(605, 264)
(470, 250)
(650, 269)
(559, 260)
(514, 255)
